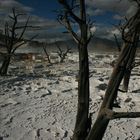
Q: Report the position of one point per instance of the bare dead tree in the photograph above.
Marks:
(127, 74)
(117, 43)
(62, 53)
(124, 62)
(68, 18)
(13, 39)
(47, 54)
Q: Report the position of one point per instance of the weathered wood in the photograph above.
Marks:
(81, 127)
(13, 40)
(4, 67)
(102, 120)
(47, 54)
(83, 121)
(124, 63)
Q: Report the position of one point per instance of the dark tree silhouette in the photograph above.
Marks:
(13, 39)
(124, 62)
(62, 53)
(130, 36)
(68, 18)
(127, 74)
(47, 54)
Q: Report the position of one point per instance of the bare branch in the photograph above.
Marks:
(33, 37)
(62, 54)
(17, 45)
(117, 115)
(65, 22)
(69, 10)
(11, 17)
(29, 26)
(137, 1)
(82, 11)
(90, 36)
(15, 15)
(6, 34)
(24, 29)
(117, 43)
(110, 114)
(47, 54)
(1, 53)
(13, 36)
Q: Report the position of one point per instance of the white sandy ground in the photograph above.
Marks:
(42, 104)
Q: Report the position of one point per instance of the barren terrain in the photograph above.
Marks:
(39, 101)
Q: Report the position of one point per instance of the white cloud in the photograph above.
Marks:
(93, 29)
(96, 7)
(119, 8)
(94, 12)
(40, 22)
(43, 23)
(123, 7)
(7, 5)
(118, 17)
(131, 11)
(106, 32)
(116, 32)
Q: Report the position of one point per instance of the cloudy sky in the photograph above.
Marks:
(104, 13)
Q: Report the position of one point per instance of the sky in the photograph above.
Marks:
(104, 13)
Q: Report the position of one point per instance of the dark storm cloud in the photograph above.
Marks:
(120, 8)
(124, 7)
(95, 8)
(7, 5)
(44, 24)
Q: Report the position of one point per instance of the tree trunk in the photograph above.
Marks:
(126, 80)
(82, 120)
(99, 128)
(102, 121)
(5, 65)
(128, 73)
(123, 63)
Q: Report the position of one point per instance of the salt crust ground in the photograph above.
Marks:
(41, 103)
